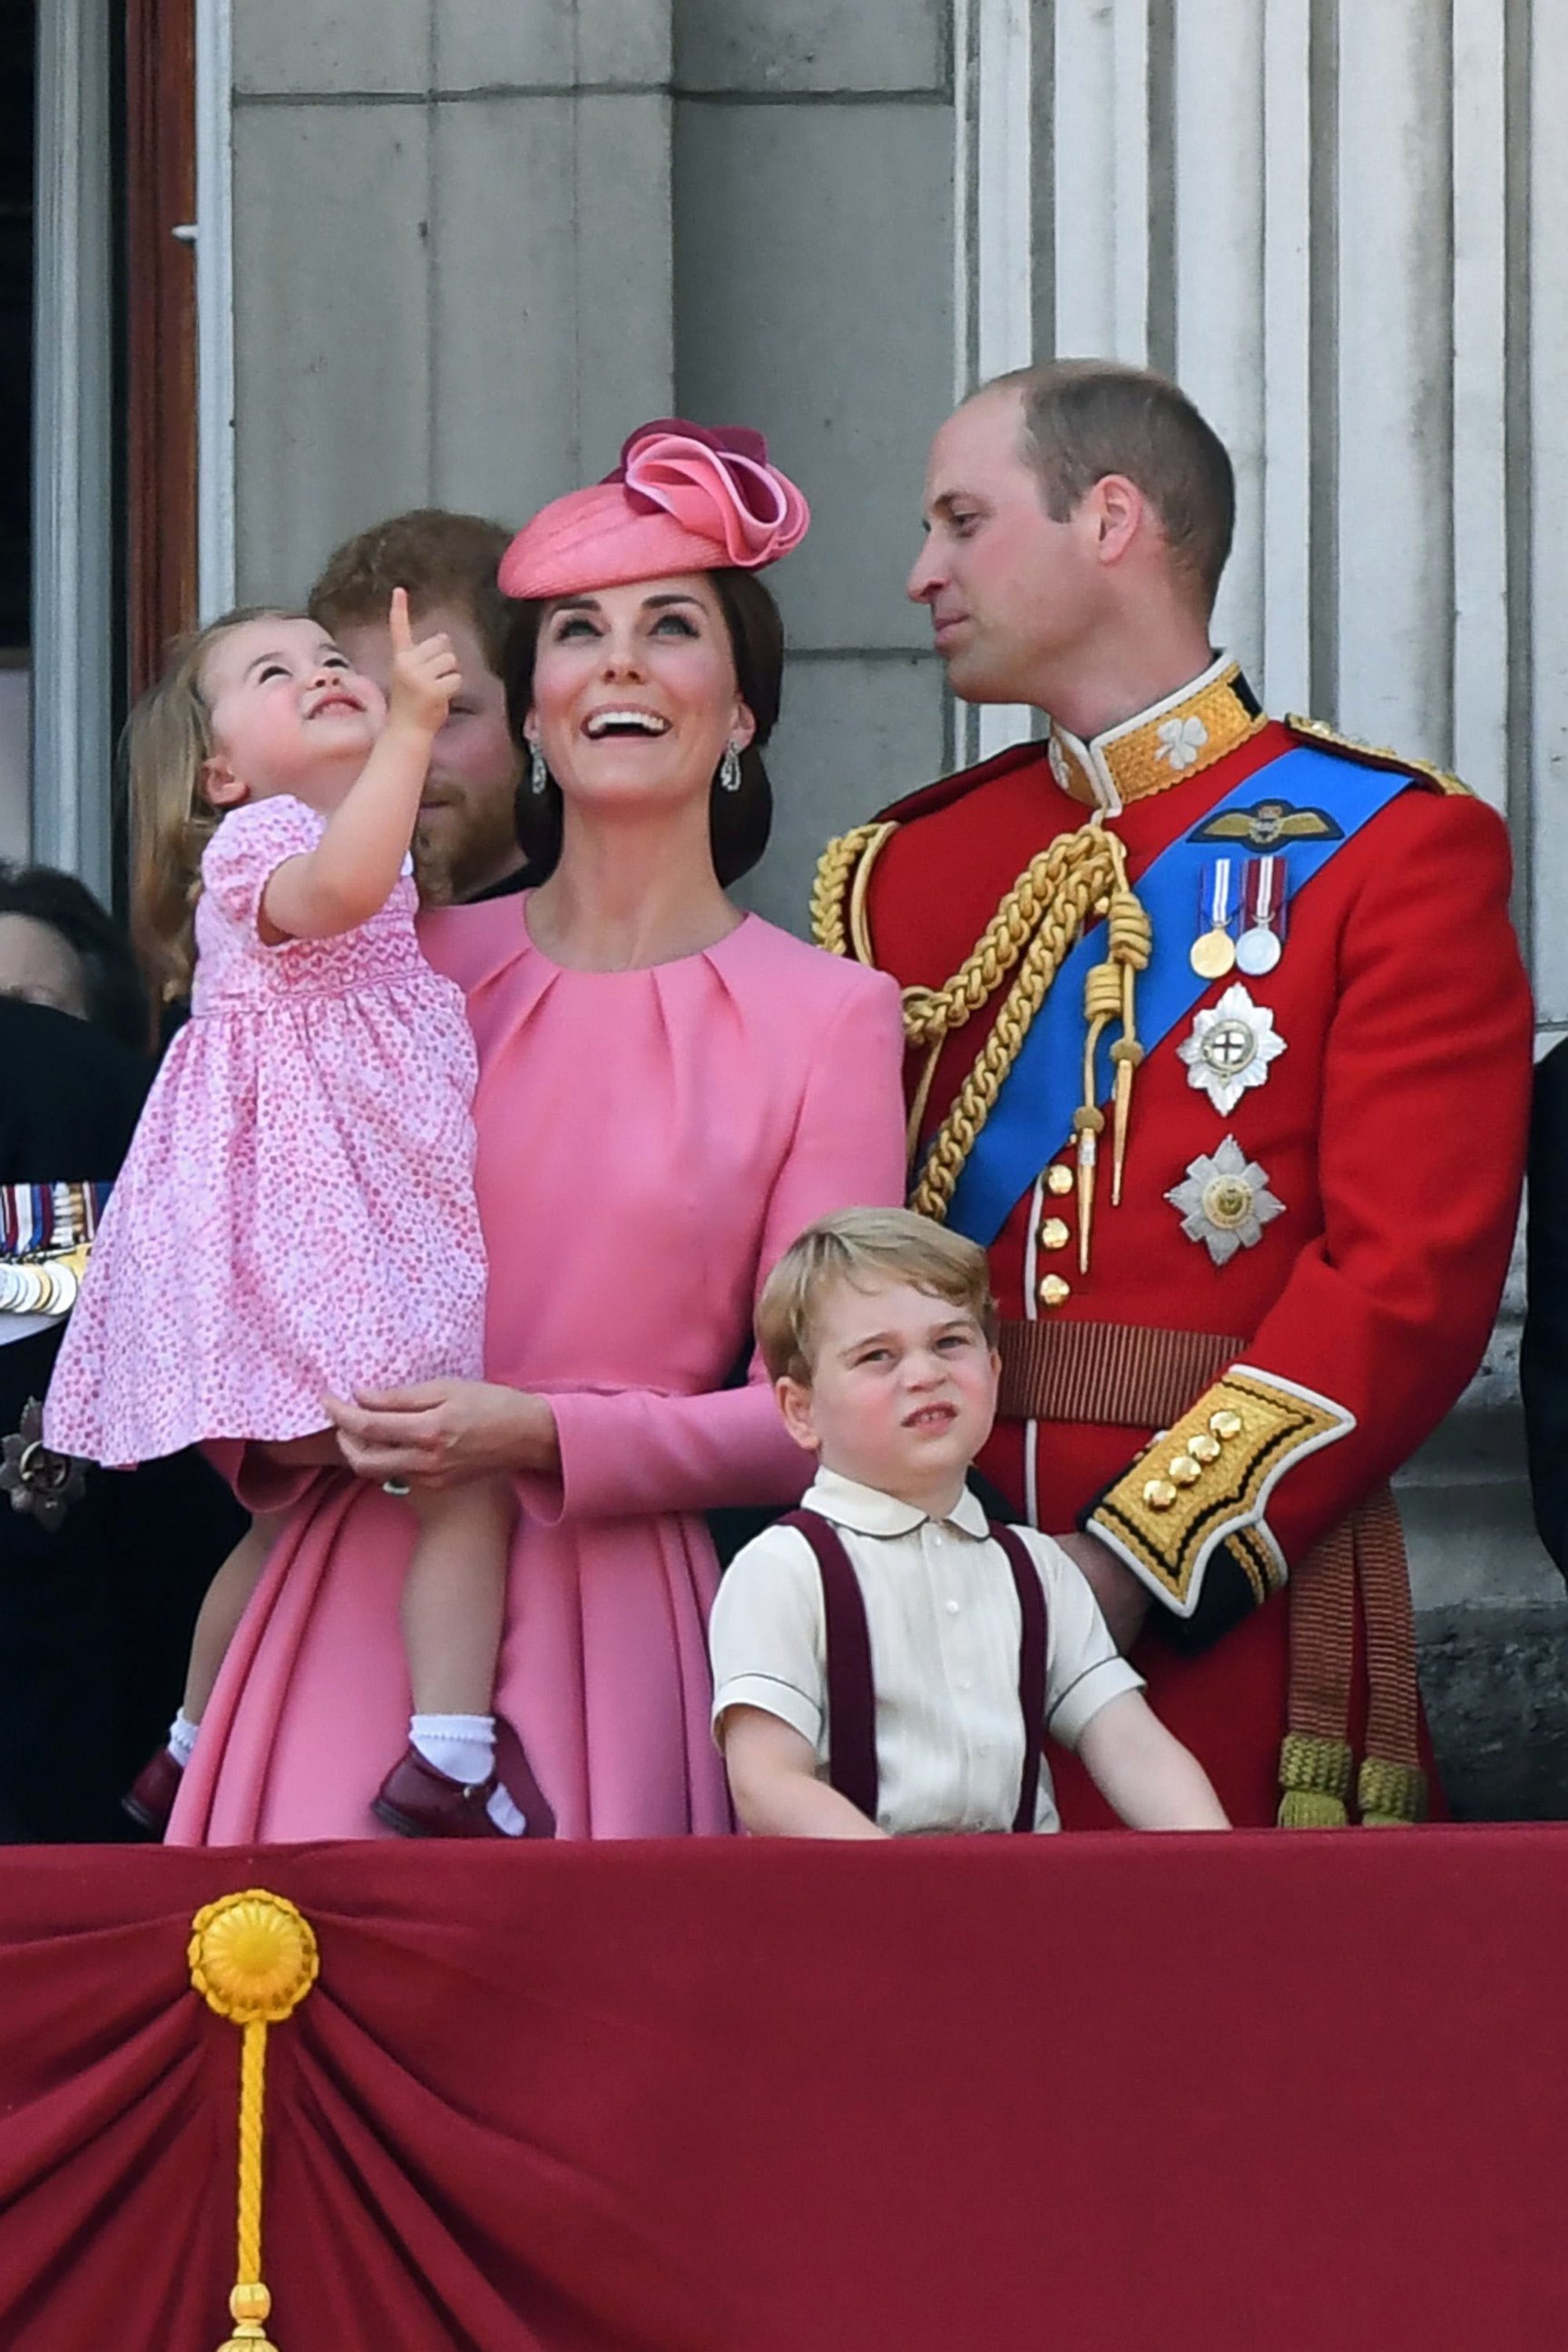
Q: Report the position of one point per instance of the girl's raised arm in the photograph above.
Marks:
(352, 871)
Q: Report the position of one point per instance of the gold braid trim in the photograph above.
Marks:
(1081, 876)
(1053, 898)
(838, 914)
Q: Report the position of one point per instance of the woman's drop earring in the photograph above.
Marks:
(538, 773)
(729, 769)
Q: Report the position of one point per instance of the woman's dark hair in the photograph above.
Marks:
(115, 1000)
(739, 823)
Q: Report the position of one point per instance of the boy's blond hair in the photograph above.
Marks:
(867, 1247)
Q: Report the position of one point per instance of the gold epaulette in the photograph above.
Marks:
(1377, 755)
(838, 917)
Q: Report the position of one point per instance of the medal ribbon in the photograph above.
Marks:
(37, 1218)
(1262, 891)
(1032, 1117)
(1217, 906)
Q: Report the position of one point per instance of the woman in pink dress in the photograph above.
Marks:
(668, 1091)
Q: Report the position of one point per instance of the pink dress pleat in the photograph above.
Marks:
(648, 1144)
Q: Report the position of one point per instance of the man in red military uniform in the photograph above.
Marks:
(1220, 1043)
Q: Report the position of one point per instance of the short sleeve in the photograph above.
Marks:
(249, 846)
(1084, 1669)
(765, 1636)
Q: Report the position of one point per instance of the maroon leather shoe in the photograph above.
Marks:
(150, 1799)
(417, 1800)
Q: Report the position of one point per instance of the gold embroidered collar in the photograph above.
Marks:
(1162, 746)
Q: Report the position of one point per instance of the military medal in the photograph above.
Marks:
(1213, 953)
(1224, 1201)
(1229, 1048)
(1261, 943)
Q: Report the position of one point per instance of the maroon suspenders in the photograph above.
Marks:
(851, 1687)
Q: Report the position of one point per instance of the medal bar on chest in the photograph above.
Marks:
(1213, 953)
(1265, 888)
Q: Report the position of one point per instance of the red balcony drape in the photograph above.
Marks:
(1279, 2092)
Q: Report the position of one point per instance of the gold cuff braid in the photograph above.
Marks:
(1209, 1475)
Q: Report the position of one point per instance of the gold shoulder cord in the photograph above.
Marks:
(1316, 732)
(1081, 877)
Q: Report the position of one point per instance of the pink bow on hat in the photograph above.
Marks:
(717, 483)
(683, 499)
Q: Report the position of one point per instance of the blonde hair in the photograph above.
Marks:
(168, 741)
(867, 1247)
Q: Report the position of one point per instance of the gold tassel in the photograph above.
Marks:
(1315, 1777)
(1391, 1796)
(1131, 945)
(253, 1959)
(1087, 1124)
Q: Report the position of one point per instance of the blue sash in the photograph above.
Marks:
(1032, 1116)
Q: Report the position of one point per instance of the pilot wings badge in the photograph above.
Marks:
(1268, 823)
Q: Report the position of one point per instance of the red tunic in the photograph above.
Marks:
(1391, 1128)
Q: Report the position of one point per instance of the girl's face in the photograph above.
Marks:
(634, 695)
(289, 715)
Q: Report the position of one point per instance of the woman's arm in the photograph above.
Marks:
(444, 1433)
(353, 867)
(637, 1451)
(772, 1780)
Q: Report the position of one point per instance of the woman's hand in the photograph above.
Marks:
(444, 1433)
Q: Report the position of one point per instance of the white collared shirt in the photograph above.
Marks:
(942, 1612)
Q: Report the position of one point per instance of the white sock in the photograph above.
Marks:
(504, 1813)
(464, 1747)
(461, 1746)
(183, 1738)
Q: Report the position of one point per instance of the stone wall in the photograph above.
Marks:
(477, 240)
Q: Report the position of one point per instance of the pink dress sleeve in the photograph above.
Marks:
(249, 846)
(638, 1451)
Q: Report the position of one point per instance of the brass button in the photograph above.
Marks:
(1184, 1470)
(1159, 1494)
(1058, 1179)
(1054, 1290)
(1054, 1233)
(1225, 1423)
(1204, 1447)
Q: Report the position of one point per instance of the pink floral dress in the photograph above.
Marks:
(297, 1215)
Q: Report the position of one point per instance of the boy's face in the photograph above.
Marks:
(466, 836)
(903, 1393)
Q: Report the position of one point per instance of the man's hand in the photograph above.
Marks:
(1123, 1603)
(425, 674)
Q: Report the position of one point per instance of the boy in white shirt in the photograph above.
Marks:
(885, 1662)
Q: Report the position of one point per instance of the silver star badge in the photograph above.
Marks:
(1230, 1048)
(1225, 1202)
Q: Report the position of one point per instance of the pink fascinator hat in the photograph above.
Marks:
(683, 499)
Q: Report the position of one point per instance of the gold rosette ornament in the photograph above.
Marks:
(253, 1959)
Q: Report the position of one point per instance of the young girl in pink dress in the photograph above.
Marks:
(295, 1223)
